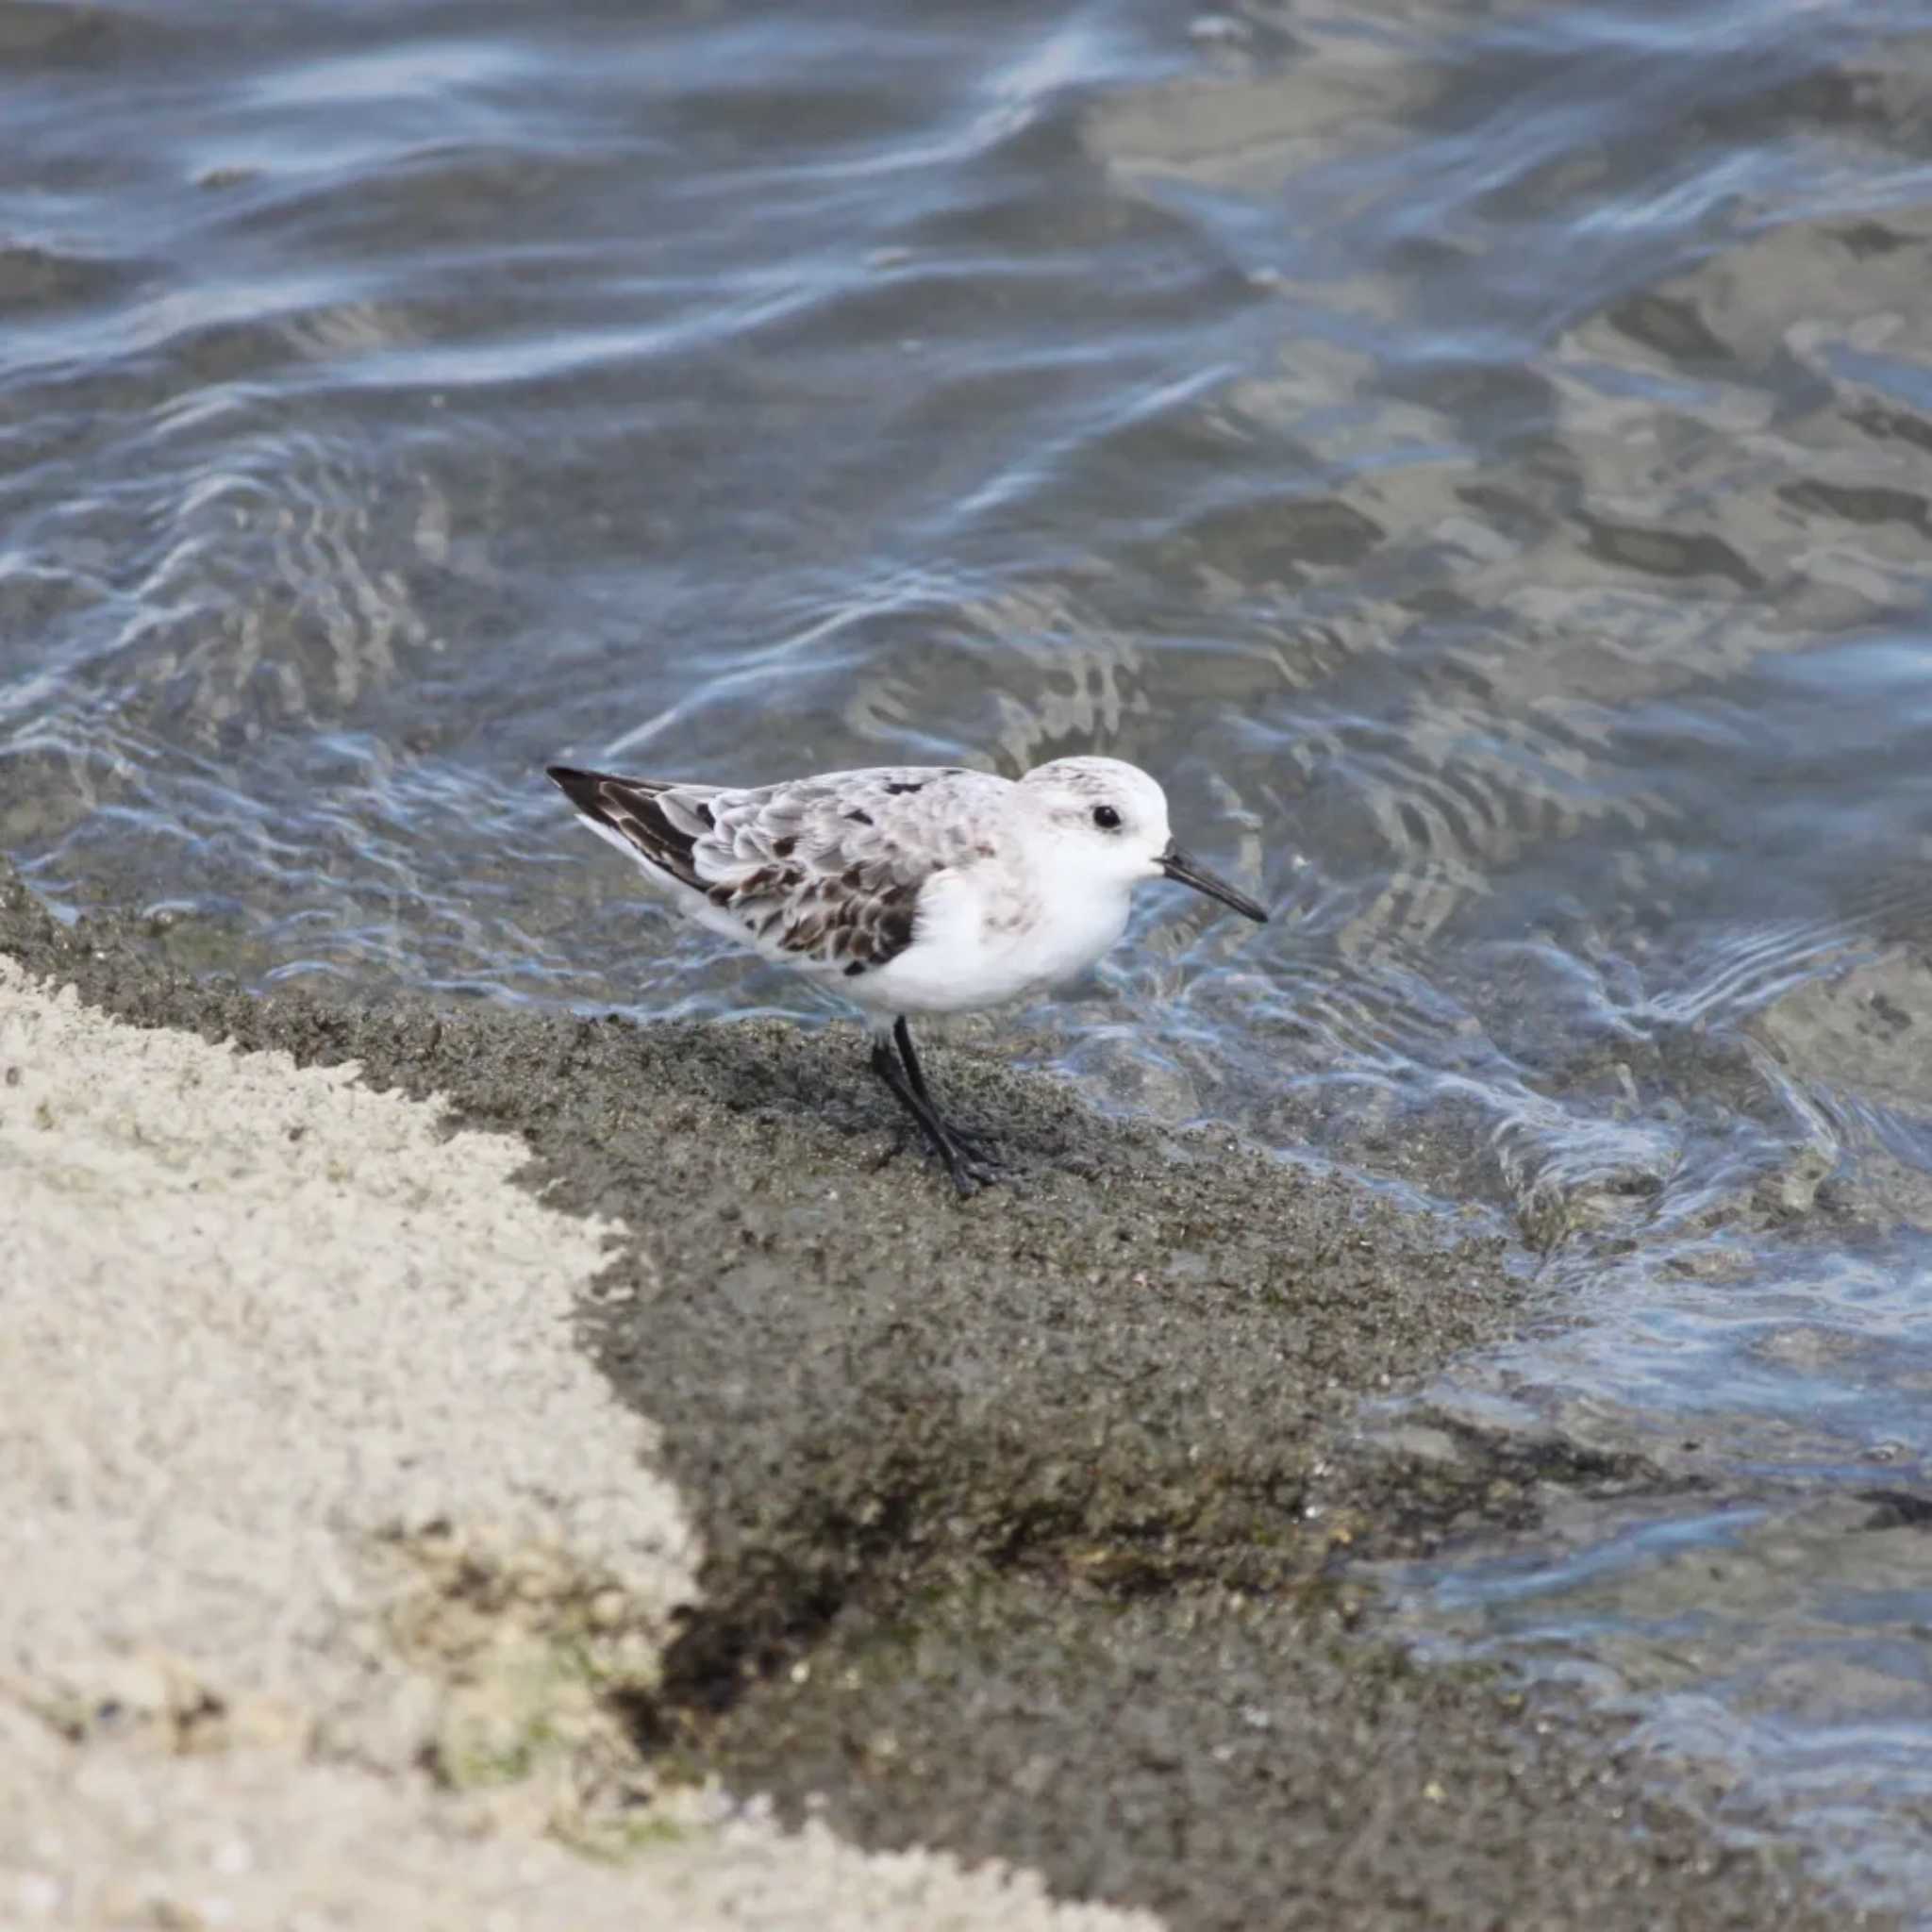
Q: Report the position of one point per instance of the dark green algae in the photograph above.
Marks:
(1030, 1519)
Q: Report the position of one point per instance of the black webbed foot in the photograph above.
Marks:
(970, 1168)
(966, 1159)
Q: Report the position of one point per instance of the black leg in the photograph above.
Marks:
(966, 1173)
(966, 1143)
(903, 1034)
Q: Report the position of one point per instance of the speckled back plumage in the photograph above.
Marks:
(823, 872)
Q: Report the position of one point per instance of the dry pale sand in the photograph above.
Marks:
(332, 1565)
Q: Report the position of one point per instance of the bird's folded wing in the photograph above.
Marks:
(825, 872)
(659, 822)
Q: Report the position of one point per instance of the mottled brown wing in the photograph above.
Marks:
(821, 872)
(827, 871)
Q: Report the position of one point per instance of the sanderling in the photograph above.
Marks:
(908, 889)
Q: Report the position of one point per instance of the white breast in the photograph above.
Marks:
(982, 940)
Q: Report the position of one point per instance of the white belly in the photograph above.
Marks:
(969, 952)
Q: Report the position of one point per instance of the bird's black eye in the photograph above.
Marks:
(1106, 818)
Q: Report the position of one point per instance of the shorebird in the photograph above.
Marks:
(908, 889)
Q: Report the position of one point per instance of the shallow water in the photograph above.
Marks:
(1478, 455)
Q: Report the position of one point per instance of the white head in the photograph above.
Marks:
(1112, 820)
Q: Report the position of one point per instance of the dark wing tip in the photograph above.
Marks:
(630, 807)
(583, 789)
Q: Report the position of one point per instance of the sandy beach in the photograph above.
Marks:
(468, 1466)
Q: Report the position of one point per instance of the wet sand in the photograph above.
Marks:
(1021, 1528)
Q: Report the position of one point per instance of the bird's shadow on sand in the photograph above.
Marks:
(821, 1078)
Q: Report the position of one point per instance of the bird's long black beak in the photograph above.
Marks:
(1177, 865)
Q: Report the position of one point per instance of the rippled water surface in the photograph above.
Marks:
(1479, 454)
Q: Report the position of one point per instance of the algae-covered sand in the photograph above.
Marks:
(1013, 1530)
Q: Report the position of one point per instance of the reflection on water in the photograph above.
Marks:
(1479, 454)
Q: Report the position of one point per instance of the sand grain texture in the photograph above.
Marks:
(305, 1487)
